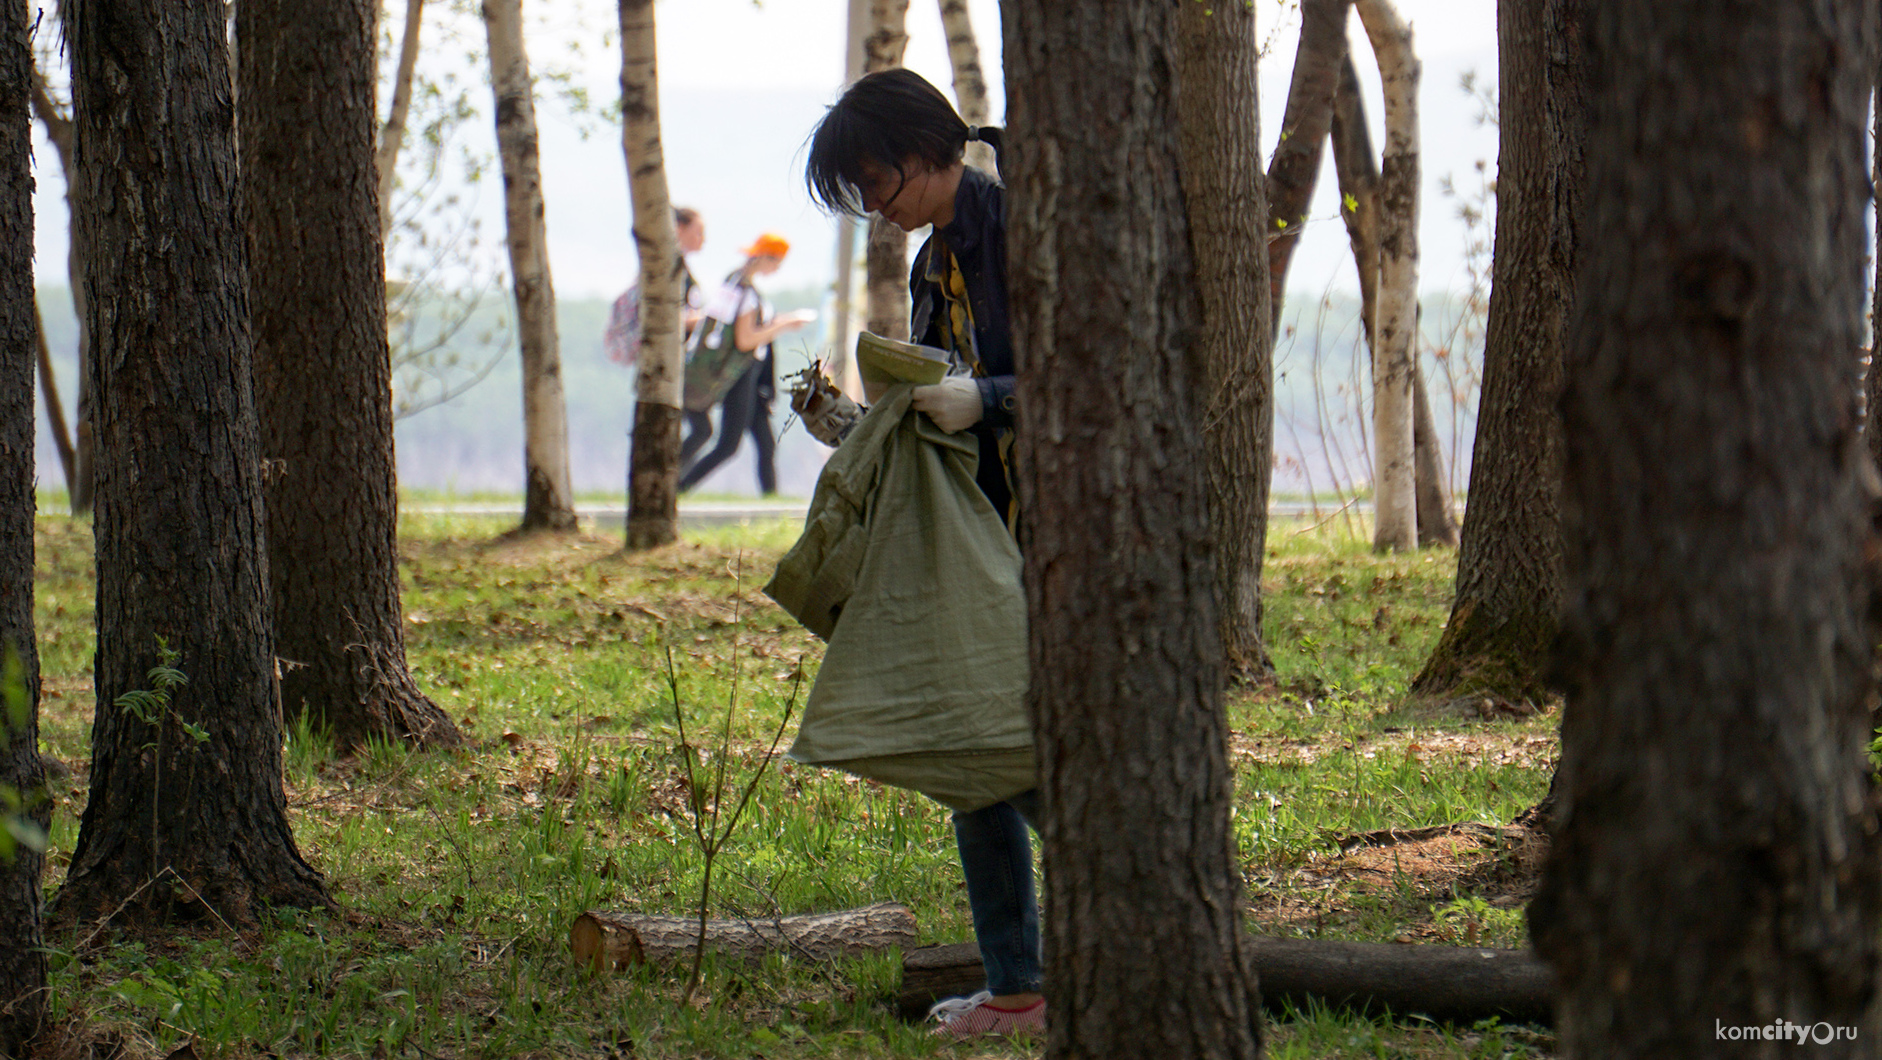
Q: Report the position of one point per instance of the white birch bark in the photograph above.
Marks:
(1394, 473)
(653, 516)
(888, 245)
(392, 135)
(547, 502)
(970, 84)
(842, 364)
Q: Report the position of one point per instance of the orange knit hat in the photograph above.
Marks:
(769, 245)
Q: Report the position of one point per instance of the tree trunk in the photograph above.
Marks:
(1437, 525)
(1509, 567)
(1872, 382)
(1219, 137)
(842, 363)
(1456, 984)
(653, 495)
(174, 825)
(1144, 949)
(1715, 865)
(323, 372)
(392, 137)
(970, 85)
(23, 997)
(601, 940)
(1295, 168)
(548, 503)
(1395, 328)
(59, 131)
(55, 409)
(886, 257)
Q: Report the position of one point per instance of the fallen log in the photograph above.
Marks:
(602, 940)
(1450, 984)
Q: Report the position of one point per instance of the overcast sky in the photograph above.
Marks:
(742, 85)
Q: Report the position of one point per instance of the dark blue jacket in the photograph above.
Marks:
(977, 238)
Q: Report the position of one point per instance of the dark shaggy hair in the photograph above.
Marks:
(883, 119)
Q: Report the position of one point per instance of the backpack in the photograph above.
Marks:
(622, 339)
(713, 360)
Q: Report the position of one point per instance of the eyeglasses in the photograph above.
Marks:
(872, 188)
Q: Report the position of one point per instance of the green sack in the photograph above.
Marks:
(714, 362)
(911, 576)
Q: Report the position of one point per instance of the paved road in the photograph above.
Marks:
(723, 513)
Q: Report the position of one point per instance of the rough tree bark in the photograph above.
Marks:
(1872, 382)
(653, 495)
(1357, 169)
(323, 374)
(23, 998)
(1509, 568)
(886, 256)
(59, 130)
(1219, 141)
(392, 136)
(970, 84)
(174, 826)
(1395, 329)
(548, 503)
(1715, 865)
(1144, 951)
(1295, 168)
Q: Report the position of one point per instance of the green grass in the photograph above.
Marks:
(458, 874)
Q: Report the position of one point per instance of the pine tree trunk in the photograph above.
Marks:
(1509, 566)
(1294, 170)
(392, 137)
(1219, 137)
(1395, 329)
(653, 512)
(174, 826)
(548, 503)
(885, 261)
(1144, 951)
(970, 84)
(323, 375)
(59, 131)
(1872, 382)
(23, 998)
(1716, 864)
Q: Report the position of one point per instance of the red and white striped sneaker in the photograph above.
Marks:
(979, 1017)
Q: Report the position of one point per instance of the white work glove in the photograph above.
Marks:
(953, 403)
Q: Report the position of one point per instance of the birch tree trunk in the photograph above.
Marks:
(1144, 951)
(1219, 140)
(887, 255)
(1716, 865)
(653, 511)
(323, 372)
(842, 361)
(23, 997)
(1295, 168)
(1394, 496)
(392, 136)
(547, 502)
(970, 84)
(1509, 567)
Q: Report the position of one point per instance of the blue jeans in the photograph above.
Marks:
(996, 859)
